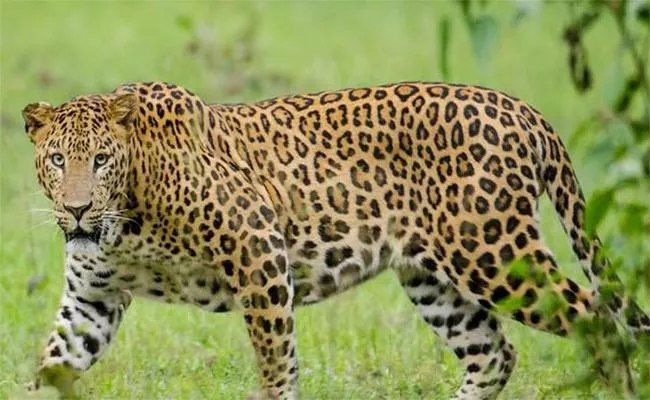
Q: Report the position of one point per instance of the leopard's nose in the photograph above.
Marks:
(78, 210)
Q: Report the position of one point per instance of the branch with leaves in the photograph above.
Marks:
(619, 136)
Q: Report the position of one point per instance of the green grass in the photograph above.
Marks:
(366, 343)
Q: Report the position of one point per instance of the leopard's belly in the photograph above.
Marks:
(331, 256)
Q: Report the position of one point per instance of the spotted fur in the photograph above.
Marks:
(267, 206)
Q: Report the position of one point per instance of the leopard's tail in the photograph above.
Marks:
(562, 186)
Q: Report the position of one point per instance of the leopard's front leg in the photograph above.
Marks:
(85, 324)
(262, 285)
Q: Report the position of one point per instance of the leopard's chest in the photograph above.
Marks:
(145, 268)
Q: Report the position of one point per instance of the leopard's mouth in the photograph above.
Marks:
(82, 235)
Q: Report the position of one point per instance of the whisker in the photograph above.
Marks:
(43, 223)
(116, 218)
(120, 218)
(120, 210)
(41, 210)
(115, 213)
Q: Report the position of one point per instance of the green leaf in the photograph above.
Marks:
(520, 268)
(632, 221)
(582, 131)
(614, 80)
(443, 56)
(626, 94)
(597, 207)
(550, 302)
(465, 9)
(609, 289)
(185, 23)
(484, 32)
(510, 304)
(643, 13)
(524, 9)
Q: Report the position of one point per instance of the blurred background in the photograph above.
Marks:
(584, 64)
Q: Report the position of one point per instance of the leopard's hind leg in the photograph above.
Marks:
(461, 294)
(468, 329)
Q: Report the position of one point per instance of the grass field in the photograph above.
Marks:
(366, 343)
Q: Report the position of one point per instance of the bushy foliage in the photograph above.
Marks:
(618, 135)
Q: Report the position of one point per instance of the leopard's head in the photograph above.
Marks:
(82, 158)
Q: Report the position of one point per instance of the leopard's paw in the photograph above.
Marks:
(35, 391)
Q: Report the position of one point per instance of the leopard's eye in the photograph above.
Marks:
(101, 159)
(58, 159)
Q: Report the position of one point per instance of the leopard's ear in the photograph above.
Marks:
(123, 108)
(37, 116)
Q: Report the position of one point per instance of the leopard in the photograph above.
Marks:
(262, 207)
